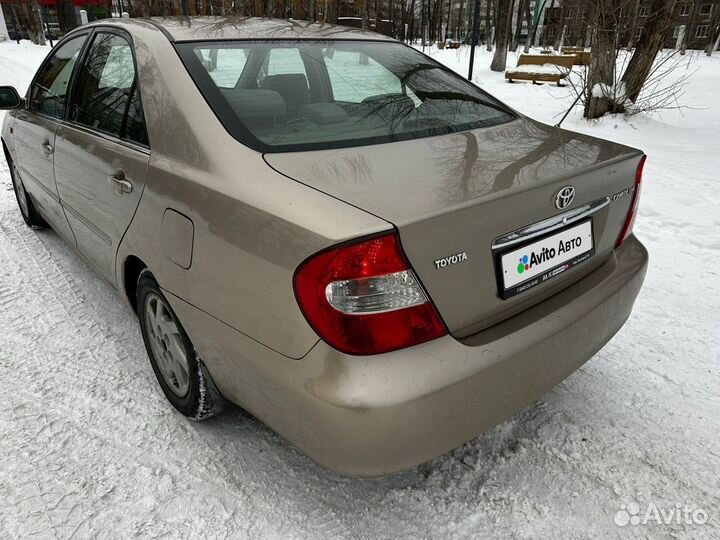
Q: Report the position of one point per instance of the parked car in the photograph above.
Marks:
(324, 226)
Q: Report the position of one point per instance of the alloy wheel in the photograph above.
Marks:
(167, 344)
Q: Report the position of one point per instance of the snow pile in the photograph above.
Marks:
(90, 448)
(616, 93)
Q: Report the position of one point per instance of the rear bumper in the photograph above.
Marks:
(368, 416)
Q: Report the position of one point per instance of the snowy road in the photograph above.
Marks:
(89, 447)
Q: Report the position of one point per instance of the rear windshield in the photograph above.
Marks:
(278, 96)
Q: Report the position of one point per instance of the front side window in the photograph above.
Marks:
(321, 94)
(48, 94)
(107, 97)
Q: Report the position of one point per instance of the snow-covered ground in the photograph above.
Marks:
(89, 447)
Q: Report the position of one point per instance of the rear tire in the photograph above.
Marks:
(27, 209)
(180, 372)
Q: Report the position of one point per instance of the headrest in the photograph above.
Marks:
(323, 113)
(293, 87)
(254, 104)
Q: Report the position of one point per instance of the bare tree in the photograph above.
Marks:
(634, 25)
(648, 46)
(530, 27)
(458, 27)
(489, 24)
(544, 41)
(447, 21)
(31, 20)
(515, 43)
(691, 23)
(562, 26)
(714, 33)
(601, 75)
(501, 34)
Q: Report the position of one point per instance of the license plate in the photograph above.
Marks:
(535, 263)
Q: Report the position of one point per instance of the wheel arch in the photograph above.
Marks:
(133, 266)
(6, 150)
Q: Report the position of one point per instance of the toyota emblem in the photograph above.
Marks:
(564, 197)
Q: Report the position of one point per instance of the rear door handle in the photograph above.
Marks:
(121, 184)
(48, 148)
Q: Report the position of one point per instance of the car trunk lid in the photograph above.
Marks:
(452, 197)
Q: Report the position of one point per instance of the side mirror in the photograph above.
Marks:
(9, 98)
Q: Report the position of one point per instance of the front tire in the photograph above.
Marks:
(27, 209)
(180, 372)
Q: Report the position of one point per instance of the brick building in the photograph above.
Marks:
(699, 18)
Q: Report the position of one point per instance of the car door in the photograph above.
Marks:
(35, 128)
(102, 151)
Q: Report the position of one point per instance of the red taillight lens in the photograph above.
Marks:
(363, 298)
(632, 214)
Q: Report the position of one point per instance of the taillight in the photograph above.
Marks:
(632, 214)
(363, 298)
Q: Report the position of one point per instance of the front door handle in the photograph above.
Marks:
(48, 148)
(121, 184)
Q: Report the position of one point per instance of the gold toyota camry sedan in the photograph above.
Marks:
(326, 227)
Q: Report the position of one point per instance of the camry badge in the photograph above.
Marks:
(564, 197)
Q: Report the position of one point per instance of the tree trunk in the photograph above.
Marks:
(363, 7)
(449, 15)
(688, 29)
(458, 27)
(518, 24)
(561, 29)
(544, 40)
(411, 27)
(530, 27)
(714, 32)
(34, 25)
(489, 25)
(634, 25)
(601, 75)
(714, 44)
(66, 15)
(501, 33)
(648, 46)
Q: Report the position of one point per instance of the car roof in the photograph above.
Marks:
(211, 28)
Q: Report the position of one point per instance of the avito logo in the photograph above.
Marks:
(525, 263)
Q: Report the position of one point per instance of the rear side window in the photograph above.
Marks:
(49, 91)
(107, 97)
(308, 94)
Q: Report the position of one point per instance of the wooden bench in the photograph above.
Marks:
(541, 68)
(582, 57)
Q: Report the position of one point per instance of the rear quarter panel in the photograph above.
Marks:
(252, 226)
